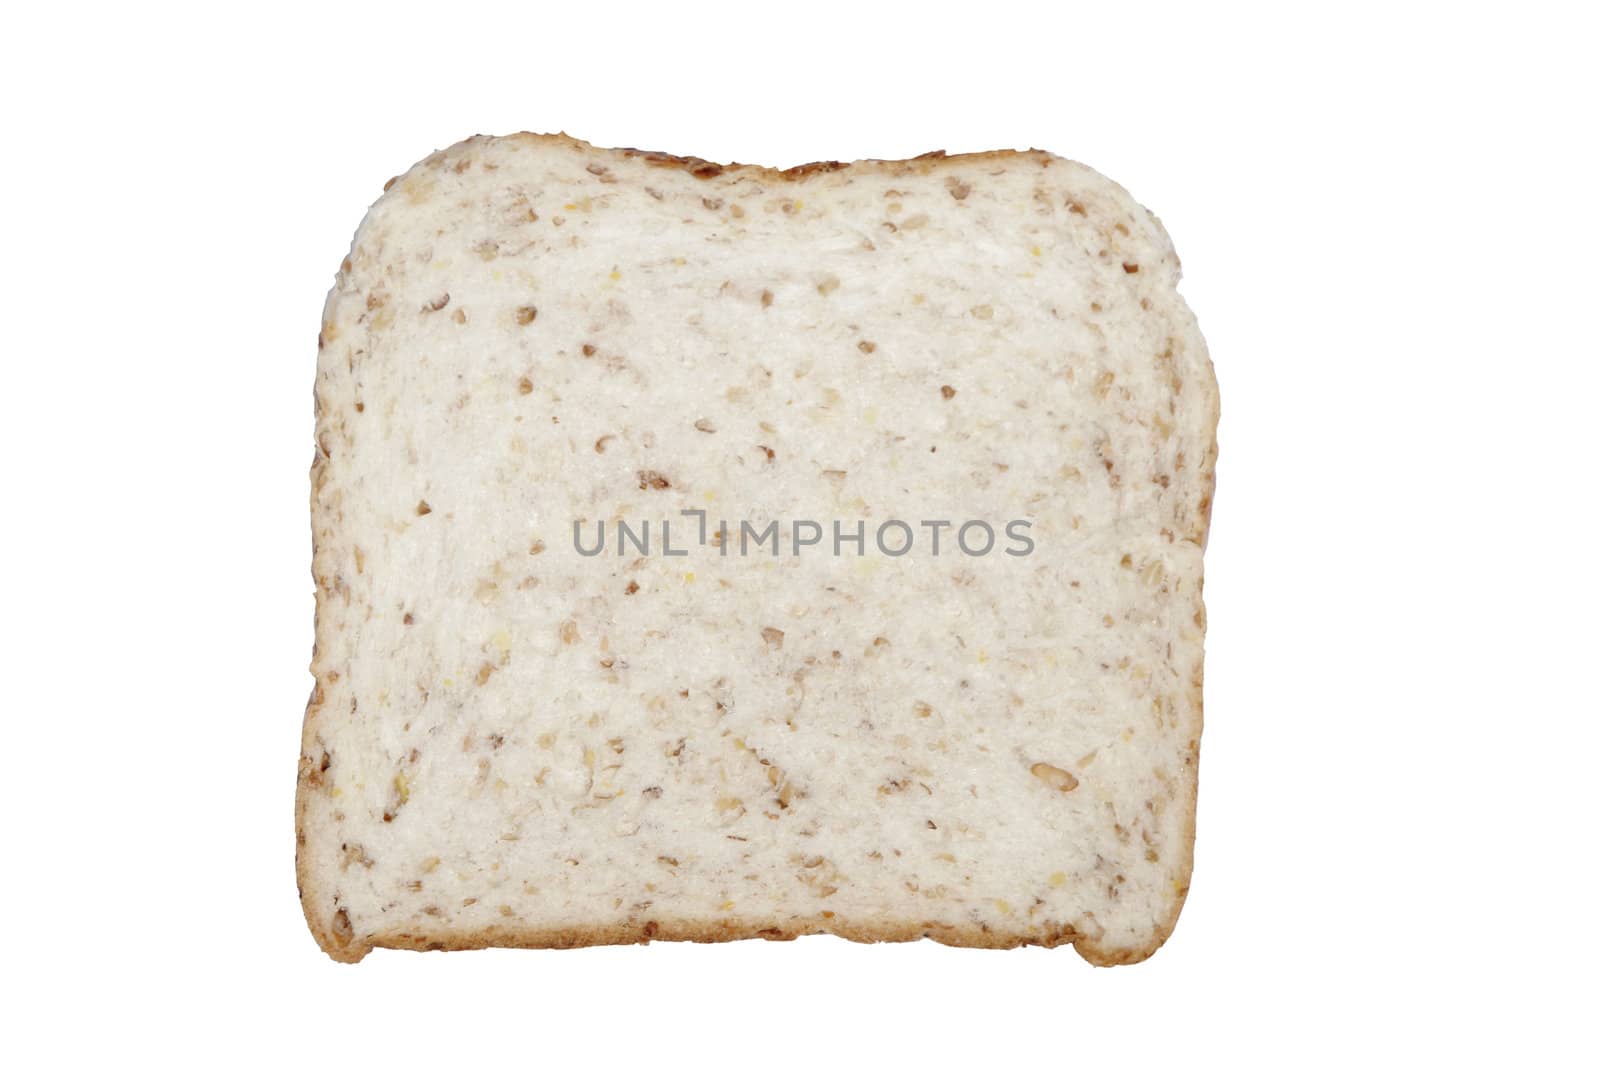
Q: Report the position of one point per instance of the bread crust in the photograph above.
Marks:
(341, 943)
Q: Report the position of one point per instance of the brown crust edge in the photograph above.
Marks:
(706, 170)
(349, 949)
(630, 933)
(635, 933)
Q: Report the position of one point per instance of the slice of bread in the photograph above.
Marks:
(816, 696)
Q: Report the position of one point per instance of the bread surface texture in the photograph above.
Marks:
(727, 730)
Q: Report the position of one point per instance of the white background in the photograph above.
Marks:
(1387, 216)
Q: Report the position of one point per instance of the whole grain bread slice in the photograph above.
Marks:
(883, 733)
